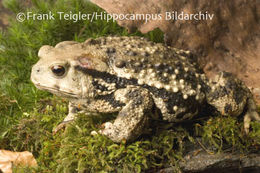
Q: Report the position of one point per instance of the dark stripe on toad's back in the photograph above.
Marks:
(109, 78)
(120, 81)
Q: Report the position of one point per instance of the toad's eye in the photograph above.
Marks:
(58, 70)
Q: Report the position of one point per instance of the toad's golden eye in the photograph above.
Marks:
(58, 70)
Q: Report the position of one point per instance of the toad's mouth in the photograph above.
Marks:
(57, 91)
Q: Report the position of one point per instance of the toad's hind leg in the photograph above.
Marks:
(134, 116)
(230, 96)
(251, 114)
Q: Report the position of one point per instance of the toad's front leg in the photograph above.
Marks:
(73, 110)
(133, 117)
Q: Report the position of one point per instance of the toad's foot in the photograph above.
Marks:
(68, 119)
(251, 114)
(61, 126)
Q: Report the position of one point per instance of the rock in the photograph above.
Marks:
(198, 159)
(224, 162)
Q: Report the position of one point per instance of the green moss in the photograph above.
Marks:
(96, 153)
(76, 149)
(225, 132)
(28, 115)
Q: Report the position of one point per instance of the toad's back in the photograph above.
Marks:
(171, 75)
